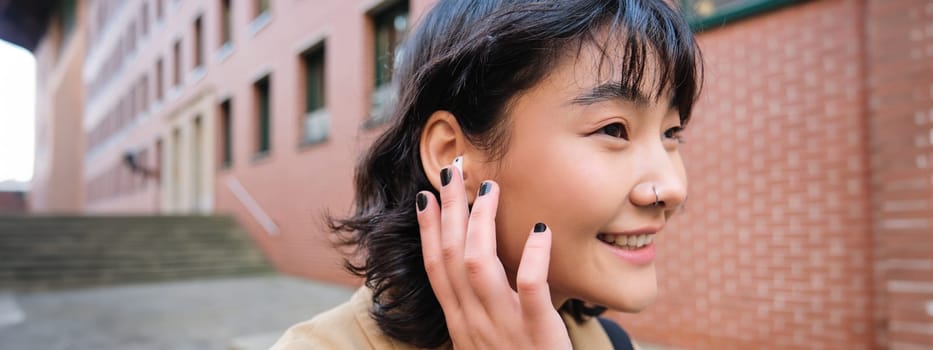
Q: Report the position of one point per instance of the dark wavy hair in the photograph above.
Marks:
(471, 58)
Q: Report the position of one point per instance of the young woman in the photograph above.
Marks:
(531, 163)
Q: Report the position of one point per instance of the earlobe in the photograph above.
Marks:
(441, 142)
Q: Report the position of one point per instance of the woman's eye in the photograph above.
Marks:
(674, 133)
(615, 130)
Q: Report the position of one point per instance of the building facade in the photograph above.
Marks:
(808, 156)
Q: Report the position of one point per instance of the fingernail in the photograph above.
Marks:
(540, 227)
(445, 176)
(422, 201)
(484, 188)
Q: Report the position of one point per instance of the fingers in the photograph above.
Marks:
(531, 280)
(481, 230)
(484, 270)
(454, 216)
(429, 221)
(462, 264)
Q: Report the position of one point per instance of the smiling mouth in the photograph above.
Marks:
(629, 242)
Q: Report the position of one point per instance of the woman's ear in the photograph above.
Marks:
(442, 140)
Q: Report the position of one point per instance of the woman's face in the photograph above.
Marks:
(583, 160)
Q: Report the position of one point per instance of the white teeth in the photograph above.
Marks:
(629, 242)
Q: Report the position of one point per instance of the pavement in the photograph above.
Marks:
(241, 313)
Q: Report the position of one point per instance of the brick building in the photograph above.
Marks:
(809, 156)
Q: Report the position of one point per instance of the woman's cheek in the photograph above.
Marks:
(543, 190)
(589, 189)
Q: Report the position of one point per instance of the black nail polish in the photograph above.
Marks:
(540, 227)
(422, 201)
(445, 176)
(484, 188)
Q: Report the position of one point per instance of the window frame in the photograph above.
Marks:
(177, 75)
(70, 21)
(159, 80)
(159, 10)
(226, 23)
(144, 18)
(730, 13)
(317, 57)
(384, 58)
(314, 121)
(226, 133)
(262, 93)
(198, 42)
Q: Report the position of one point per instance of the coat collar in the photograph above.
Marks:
(586, 335)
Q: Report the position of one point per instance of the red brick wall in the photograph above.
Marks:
(773, 248)
(899, 36)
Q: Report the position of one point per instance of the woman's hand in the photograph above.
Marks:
(481, 309)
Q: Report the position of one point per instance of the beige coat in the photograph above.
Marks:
(349, 326)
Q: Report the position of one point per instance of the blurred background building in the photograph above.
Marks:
(809, 156)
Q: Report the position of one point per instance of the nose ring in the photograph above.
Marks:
(657, 198)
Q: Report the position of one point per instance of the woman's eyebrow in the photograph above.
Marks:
(610, 91)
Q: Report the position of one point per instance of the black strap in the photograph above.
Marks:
(619, 338)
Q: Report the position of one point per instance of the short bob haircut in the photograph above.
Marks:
(472, 58)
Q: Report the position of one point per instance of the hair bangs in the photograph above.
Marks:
(652, 56)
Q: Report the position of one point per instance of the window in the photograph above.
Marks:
(262, 6)
(67, 10)
(226, 135)
(226, 23)
(132, 103)
(176, 56)
(158, 161)
(314, 78)
(144, 19)
(703, 14)
(145, 92)
(390, 25)
(198, 43)
(100, 20)
(160, 9)
(261, 17)
(196, 178)
(175, 154)
(315, 119)
(159, 89)
(261, 89)
(131, 37)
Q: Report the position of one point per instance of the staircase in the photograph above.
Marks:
(52, 252)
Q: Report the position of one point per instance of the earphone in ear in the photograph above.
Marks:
(458, 162)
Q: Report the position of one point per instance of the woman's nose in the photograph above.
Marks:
(663, 189)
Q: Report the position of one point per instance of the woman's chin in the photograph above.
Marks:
(635, 304)
(633, 300)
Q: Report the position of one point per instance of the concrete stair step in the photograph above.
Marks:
(49, 251)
